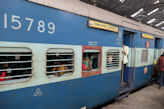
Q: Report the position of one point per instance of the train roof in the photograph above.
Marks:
(84, 9)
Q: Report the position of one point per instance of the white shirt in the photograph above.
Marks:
(125, 56)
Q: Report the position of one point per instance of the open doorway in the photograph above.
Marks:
(157, 51)
(128, 63)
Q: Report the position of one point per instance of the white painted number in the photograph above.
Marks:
(15, 19)
(51, 27)
(17, 23)
(5, 20)
(41, 26)
(30, 24)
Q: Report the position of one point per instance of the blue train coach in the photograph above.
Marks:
(44, 43)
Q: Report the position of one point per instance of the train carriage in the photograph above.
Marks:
(39, 36)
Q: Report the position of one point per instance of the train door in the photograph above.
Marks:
(157, 51)
(128, 69)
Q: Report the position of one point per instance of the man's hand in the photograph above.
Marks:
(123, 53)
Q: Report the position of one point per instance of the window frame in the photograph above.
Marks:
(97, 71)
(60, 49)
(17, 50)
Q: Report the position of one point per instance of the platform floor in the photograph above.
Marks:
(147, 98)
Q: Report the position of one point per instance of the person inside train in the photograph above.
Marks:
(110, 59)
(94, 61)
(84, 67)
(125, 53)
(15, 65)
(3, 73)
(86, 62)
(160, 65)
(63, 69)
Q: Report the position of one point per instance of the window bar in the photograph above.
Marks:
(29, 68)
(61, 65)
(60, 60)
(15, 62)
(8, 77)
(115, 59)
(112, 64)
(59, 54)
(61, 71)
(15, 54)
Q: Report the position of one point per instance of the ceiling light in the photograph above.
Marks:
(156, 2)
(138, 12)
(155, 10)
(159, 23)
(151, 21)
(162, 28)
(121, 1)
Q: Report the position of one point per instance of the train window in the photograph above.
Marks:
(91, 61)
(60, 62)
(112, 59)
(144, 58)
(15, 65)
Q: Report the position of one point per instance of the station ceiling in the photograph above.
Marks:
(149, 12)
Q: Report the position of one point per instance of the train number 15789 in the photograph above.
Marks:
(16, 23)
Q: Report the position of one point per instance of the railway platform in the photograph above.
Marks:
(147, 98)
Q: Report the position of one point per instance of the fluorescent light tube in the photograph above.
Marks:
(159, 23)
(151, 21)
(155, 10)
(162, 28)
(138, 12)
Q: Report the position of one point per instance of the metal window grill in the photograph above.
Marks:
(144, 58)
(15, 66)
(112, 59)
(60, 62)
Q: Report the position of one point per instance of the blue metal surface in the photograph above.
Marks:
(128, 74)
(141, 78)
(141, 42)
(73, 94)
(70, 28)
(162, 42)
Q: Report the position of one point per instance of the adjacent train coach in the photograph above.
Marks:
(66, 54)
